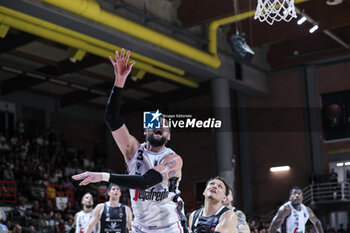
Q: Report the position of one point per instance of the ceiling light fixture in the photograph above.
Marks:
(279, 169)
(313, 29)
(340, 164)
(302, 20)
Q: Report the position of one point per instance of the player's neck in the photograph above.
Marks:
(296, 206)
(154, 148)
(87, 209)
(210, 207)
(113, 202)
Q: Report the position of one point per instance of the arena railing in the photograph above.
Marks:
(329, 192)
(102, 195)
(8, 191)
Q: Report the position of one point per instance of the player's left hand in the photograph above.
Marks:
(88, 177)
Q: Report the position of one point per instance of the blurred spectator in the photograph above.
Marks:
(17, 229)
(31, 229)
(333, 176)
(328, 229)
(341, 229)
(7, 173)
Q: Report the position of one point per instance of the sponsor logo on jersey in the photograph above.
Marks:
(113, 225)
(152, 195)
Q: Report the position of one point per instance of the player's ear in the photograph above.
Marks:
(225, 199)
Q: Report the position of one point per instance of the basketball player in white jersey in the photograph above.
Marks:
(214, 217)
(242, 225)
(293, 215)
(112, 215)
(154, 170)
(82, 218)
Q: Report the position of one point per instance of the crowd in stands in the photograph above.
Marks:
(33, 164)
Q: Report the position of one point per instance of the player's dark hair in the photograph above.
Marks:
(88, 193)
(111, 185)
(295, 188)
(227, 186)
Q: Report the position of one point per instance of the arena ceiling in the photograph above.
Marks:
(34, 63)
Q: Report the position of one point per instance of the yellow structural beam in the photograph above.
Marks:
(76, 54)
(91, 9)
(140, 74)
(3, 30)
(84, 46)
(93, 41)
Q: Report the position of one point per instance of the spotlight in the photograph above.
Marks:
(241, 47)
(280, 168)
(313, 29)
(302, 20)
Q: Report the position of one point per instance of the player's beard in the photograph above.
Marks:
(88, 206)
(155, 141)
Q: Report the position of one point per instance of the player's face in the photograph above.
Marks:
(158, 137)
(216, 190)
(114, 192)
(88, 201)
(296, 197)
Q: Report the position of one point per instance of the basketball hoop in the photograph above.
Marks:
(275, 10)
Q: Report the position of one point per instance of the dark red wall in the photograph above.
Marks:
(275, 148)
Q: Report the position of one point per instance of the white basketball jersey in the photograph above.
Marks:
(295, 222)
(82, 221)
(153, 208)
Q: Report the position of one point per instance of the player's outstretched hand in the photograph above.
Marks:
(121, 67)
(88, 177)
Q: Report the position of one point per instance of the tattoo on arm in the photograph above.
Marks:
(170, 164)
(172, 173)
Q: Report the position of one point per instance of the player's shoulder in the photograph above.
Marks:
(79, 213)
(285, 209)
(99, 206)
(172, 156)
(240, 214)
(228, 214)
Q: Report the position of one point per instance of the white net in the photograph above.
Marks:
(275, 10)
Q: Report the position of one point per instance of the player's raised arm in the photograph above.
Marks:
(126, 142)
(170, 167)
(277, 221)
(315, 221)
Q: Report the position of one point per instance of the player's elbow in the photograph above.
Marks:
(113, 122)
(151, 178)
